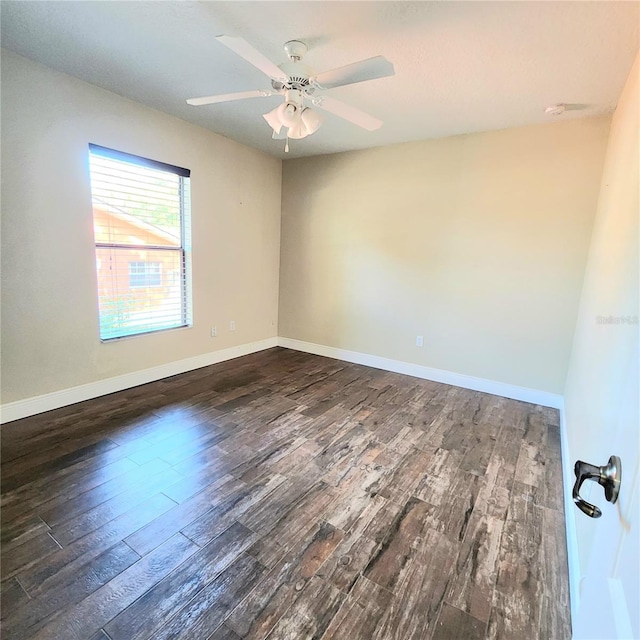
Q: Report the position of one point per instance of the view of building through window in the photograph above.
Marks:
(141, 227)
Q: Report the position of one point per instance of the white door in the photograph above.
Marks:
(609, 602)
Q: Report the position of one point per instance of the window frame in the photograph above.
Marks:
(184, 248)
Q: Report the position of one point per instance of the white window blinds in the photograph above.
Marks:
(142, 233)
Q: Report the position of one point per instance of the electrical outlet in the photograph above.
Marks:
(214, 332)
(419, 341)
(232, 325)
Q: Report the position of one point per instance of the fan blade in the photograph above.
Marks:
(253, 56)
(228, 97)
(370, 69)
(348, 112)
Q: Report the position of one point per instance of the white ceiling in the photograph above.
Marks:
(460, 66)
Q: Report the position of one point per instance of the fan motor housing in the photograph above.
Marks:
(298, 77)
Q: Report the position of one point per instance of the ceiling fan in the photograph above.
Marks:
(298, 83)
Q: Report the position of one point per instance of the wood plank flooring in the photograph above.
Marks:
(285, 496)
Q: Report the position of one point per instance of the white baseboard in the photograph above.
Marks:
(514, 392)
(39, 404)
(573, 556)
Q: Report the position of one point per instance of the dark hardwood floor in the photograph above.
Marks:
(284, 495)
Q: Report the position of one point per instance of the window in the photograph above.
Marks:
(141, 227)
(145, 274)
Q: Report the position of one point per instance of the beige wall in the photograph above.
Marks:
(476, 242)
(49, 306)
(601, 395)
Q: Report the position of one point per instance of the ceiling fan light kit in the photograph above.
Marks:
(297, 82)
(298, 120)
